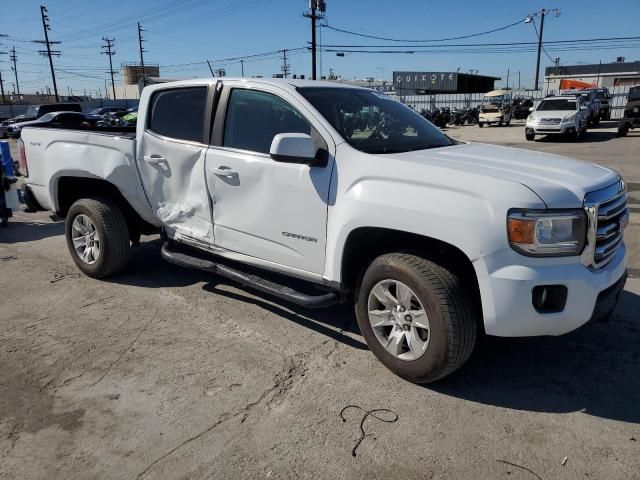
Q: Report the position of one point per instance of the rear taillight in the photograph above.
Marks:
(22, 159)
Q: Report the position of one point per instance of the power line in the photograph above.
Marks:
(110, 53)
(485, 44)
(375, 37)
(535, 27)
(48, 52)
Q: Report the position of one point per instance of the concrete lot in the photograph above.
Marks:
(163, 372)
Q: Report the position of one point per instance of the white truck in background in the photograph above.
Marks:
(433, 240)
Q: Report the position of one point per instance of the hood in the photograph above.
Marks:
(26, 124)
(561, 182)
(553, 113)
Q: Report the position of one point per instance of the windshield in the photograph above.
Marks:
(372, 122)
(493, 101)
(32, 111)
(568, 104)
(96, 111)
(47, 117)
(634, 94)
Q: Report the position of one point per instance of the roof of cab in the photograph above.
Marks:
(497, 93)
(288, 83)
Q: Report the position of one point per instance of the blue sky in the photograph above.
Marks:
(180, 35)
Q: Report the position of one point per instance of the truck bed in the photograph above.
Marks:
(53, 154)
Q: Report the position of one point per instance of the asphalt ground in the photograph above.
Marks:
(162, 372)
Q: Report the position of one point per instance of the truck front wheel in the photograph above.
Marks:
(97, 237)
(416, 317)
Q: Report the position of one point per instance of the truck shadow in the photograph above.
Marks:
(595, 370)
(333, 322)
(146, 268)
(21, 231)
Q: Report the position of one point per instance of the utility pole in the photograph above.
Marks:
(48, 52)
(542, 13)
(321, 7)
(518, 79)
(110, 53)
(507, 79)
(14, 59)
(2, 88)
(140, 40)
(539, 48)
(242, 67)
(285, 65)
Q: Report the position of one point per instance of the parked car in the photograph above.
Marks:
(521, 108)
(432, 239)
(103, 110)
(53, 119)
(558, 116)
(631, 115)
(604, 96)
(36, 111)
(495, 109)
(591, 100)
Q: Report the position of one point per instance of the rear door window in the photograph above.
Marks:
(179, 113)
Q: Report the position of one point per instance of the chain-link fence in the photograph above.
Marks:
(470, 100)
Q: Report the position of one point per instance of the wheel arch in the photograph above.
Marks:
(364, 244)
(68, 189)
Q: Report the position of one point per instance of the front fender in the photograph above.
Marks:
(465, 210)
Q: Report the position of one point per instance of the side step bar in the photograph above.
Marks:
(184, 259)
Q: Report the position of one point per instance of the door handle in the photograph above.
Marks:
(154, 159)
(224, 172)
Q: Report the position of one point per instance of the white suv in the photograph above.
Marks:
(558, 115)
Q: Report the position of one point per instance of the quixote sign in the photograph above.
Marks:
(435, 81)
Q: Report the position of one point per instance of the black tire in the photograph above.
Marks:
(530, 136)
(453, 327)
(113, 233)
(480, 124)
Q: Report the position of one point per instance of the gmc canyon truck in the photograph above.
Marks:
(318, 193)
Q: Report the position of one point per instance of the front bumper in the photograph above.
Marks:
(559, 129)
(507, 280)
(490, 120)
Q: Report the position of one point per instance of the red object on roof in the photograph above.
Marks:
(575, 84)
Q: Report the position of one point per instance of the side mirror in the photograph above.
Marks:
(531, 109)
(293, 148)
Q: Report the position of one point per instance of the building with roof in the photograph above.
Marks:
(617, 74)
(426, 83)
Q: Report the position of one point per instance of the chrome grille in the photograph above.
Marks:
(608, 216)
(549, 121)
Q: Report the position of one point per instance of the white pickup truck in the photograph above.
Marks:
(433, 240)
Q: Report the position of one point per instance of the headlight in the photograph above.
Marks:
(636, 110)
(569, 119)
(547, 233)
(532, 119)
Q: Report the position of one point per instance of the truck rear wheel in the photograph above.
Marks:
(415, 317)
(97, 237)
